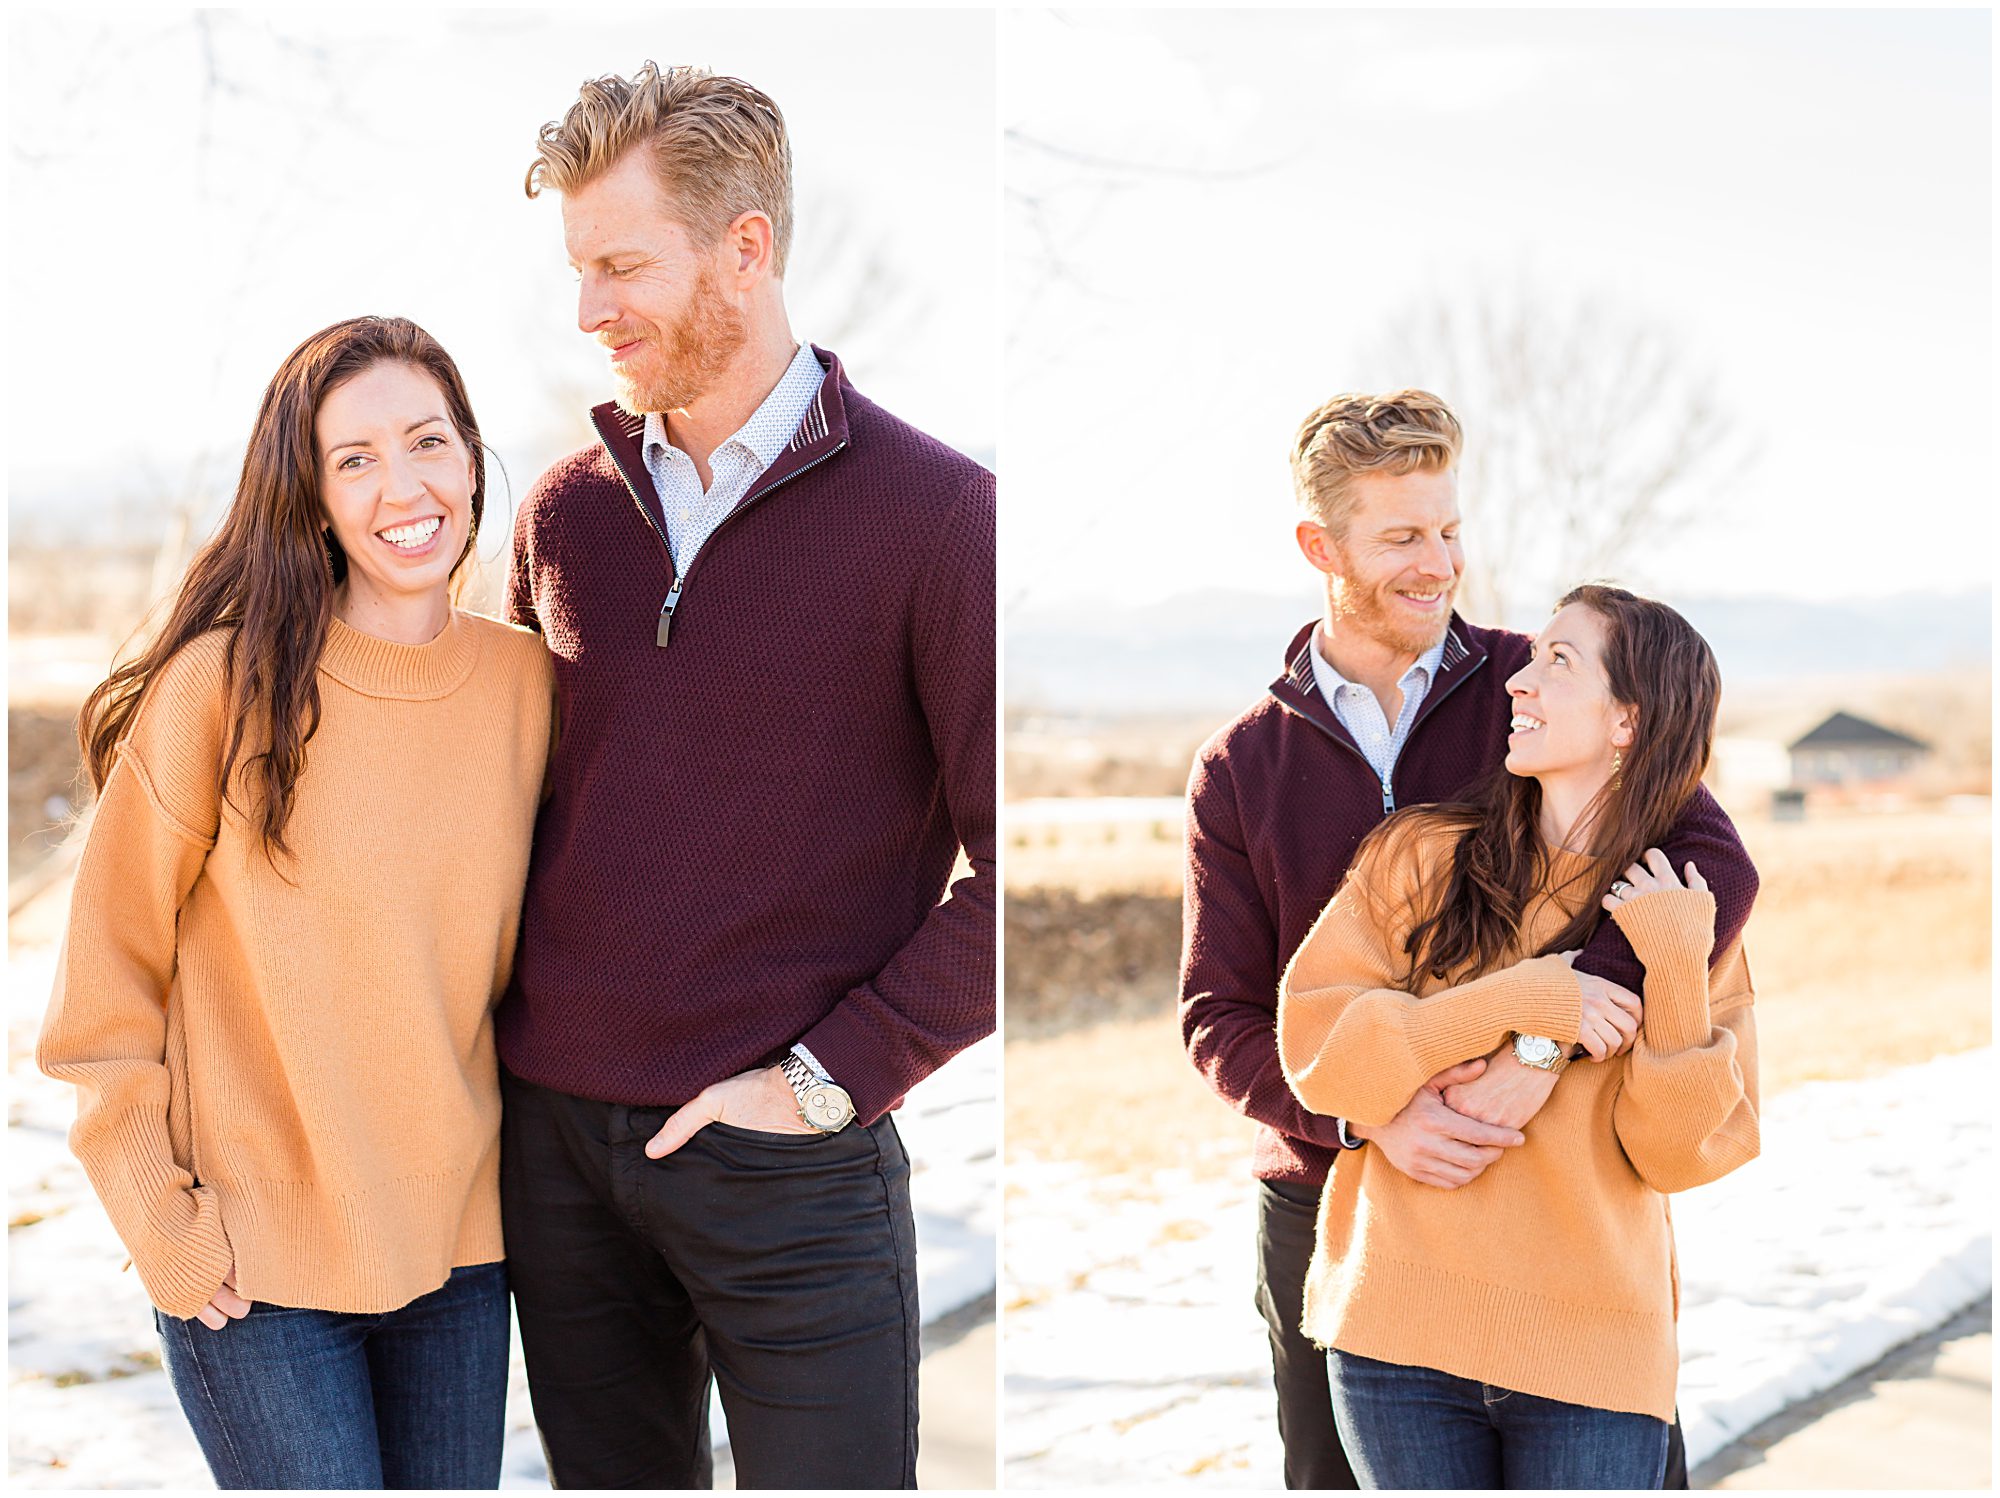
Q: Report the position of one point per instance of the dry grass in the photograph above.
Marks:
(42, 769)
(1119, 1097)
(1871, 945)
(1134, 757)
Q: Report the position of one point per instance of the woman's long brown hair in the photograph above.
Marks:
(1655, 663)
(270, 573)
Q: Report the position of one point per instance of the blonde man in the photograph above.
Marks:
(770, 605)
(1387, 699)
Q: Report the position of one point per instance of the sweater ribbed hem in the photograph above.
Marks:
(1424, 1317)
(385, 668)
(300, 1245)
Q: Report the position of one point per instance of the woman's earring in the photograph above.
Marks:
(1617, 765)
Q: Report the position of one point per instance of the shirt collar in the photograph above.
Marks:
(1325, 671)
(770, 426)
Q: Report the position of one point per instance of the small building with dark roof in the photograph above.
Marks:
(1849, 750)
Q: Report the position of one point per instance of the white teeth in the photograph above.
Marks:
(413, 535)
(1524, 724)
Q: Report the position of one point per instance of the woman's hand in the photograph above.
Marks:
(1643, 878)
(224, 1306)
(1611, 1015)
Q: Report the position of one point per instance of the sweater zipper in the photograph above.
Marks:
(673, 593)
(680, 578)
(673, 599)
(1388, 791)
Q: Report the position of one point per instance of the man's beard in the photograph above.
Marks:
(1368, 613)
(693, 353)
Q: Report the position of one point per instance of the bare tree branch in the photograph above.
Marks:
(1591, 437)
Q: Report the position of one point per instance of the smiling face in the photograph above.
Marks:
(396, 479)
(1396, 569)
(1566, 722)
(648, 291)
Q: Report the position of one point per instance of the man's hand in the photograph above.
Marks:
(1507, 1094)
(761, 1100)
(224, 1306)
(1432, 1144)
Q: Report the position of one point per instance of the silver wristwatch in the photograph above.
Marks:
(825, 1106)
(1541, 1053)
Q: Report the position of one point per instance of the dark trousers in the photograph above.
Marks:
(1287, 1226)
(293, 1398)
(782, 1264)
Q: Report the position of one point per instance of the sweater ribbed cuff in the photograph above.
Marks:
(183, 1255)
(1540, 996)
(1671, 931)
(852, 1061)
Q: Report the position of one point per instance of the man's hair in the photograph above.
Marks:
(718, 147)
(1405, 431)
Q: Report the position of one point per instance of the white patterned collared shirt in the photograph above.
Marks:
(691, 514)
(1361, 714)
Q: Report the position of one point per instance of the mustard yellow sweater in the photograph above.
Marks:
(298, 1078)
(1553, 1272)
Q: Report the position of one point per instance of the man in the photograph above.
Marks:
(1388, 699)
(734, 959)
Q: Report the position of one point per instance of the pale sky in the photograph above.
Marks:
(1802, 198)
(171, 241)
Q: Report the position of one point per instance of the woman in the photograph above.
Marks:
(294, 913)
(1519, 1331)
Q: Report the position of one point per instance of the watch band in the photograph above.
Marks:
(812, 1062)
(800, 1074)
(823, 1102)
(1347, 1141)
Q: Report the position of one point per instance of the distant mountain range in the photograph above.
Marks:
(1214, 651)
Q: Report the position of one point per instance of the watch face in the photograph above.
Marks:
(827, 1107)
(1536, 1050)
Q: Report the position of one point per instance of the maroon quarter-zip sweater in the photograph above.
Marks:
(1277, 803)
(765, 768)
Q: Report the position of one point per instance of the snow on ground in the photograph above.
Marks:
(1135, 1355)
(88, 1405)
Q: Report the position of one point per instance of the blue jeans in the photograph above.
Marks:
(410, 1398)
(1418, 1428)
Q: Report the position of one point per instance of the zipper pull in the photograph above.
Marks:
(667, 615)
(1388, 796)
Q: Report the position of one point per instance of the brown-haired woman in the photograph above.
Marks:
(1519, 1331)
(294, 913)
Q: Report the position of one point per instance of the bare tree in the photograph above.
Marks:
(1591, 435)
(1055, 195)
(854, 293)
(1057, 294)
(268, 92)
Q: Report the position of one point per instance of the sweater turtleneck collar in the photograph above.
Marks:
(383, 668)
